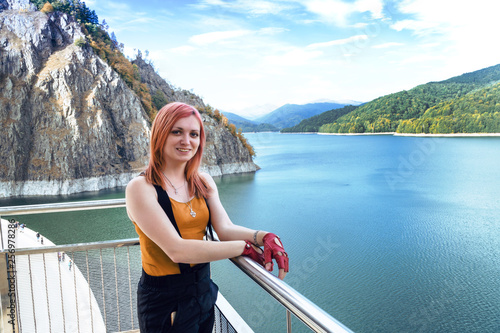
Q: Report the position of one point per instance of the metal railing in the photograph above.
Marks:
(115, 287)
(89, 288)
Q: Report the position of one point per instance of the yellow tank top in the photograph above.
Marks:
(154, 261)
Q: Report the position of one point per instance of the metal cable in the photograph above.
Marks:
(90, 291)
(62, 295)
(130, 288)
(116, 287)
(32, 295)
(46, 291)
(72, 257)
(103, 295)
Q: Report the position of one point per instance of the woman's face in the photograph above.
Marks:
(183, 140)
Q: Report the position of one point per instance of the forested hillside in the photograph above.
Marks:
(476, 112)
(448, 106)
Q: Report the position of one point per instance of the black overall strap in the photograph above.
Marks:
(209, 224)
(164, 201)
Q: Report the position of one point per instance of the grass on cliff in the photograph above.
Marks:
(106, 49)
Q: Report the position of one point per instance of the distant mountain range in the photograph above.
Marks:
(285, 116)
(468, 103)
(249, 125)
(292, 114)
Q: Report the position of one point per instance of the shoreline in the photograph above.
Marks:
(449, 135)
(444, 135)
(29, 188)
(347, 134)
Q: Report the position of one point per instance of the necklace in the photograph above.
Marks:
(175, 189)
(188, 203)
(192, 213)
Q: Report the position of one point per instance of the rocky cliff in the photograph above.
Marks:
(68, 122)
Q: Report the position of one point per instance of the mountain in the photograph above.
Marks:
(234, 118)
(291, 114)
(76, 114)
(248, 125)
(434, 107)
(312, 125)
(255, 111)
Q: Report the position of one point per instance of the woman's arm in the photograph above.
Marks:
(144, 209)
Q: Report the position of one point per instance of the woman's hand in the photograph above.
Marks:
(254, 253)
(273, 248)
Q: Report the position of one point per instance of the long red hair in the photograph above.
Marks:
(162, 126)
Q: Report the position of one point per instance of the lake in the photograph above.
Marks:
(385, 233)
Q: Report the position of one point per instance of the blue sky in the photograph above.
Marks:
(244, 56)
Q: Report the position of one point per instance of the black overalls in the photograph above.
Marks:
(191, 294)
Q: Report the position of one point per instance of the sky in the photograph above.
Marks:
(250, 57)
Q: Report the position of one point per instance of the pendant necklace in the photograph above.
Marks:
(172, 185)
(188, 203)
(193, 213)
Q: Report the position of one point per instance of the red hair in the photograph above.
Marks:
(162, 126)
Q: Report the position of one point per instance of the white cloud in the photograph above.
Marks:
(469, 28)
(252, 7)
(338, 12)
(272, 30)
(360, 25)
(387, 45)
(448, 15)
(375, 7)
(351, 39)
(218, 36)
(419, 27)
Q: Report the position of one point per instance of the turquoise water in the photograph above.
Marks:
(387, 234)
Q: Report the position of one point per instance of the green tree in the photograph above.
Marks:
(159, 99)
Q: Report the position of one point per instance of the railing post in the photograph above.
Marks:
(288, 321)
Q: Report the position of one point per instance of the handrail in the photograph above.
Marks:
(75, 247)
(62, 207)
(305, 310)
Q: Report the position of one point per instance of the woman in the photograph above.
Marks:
(171, 204)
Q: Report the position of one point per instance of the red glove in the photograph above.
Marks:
(250, 252)
(272, 249)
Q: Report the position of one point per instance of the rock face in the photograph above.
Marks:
(68, 122)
